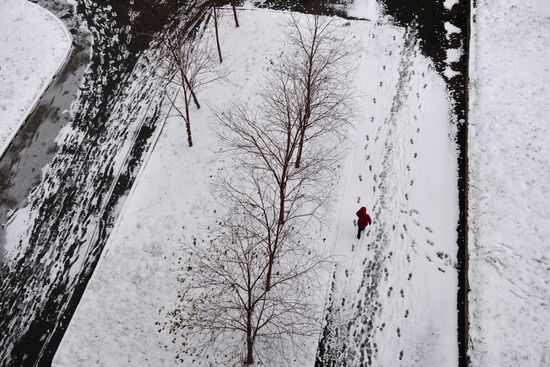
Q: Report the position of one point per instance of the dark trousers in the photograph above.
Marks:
(359, 232)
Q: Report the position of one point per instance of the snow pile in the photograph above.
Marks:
(33, 46)
(401, 165)
(510, 184)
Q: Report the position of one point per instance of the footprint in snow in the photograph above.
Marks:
(358, 199)
(425, 85)
(381, 83)
(410, 276)
(398, 333)
(428, 229)
(360, 178)
(415, 155)
(400, 355)
(402, 292)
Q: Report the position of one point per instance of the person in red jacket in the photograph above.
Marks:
(363, 221)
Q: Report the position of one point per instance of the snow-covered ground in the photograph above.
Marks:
(395, 293)
(509, 218)
(397, 286)
(34, 44)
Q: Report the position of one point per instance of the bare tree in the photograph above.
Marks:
(193, 63)
(226, 316)
(281, 196)
(319, 62)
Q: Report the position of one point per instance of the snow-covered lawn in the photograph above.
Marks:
(509, 218)
(33, 46)
(400, 279)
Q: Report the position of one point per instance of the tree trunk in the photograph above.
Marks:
(217, 35)
(195, 100)
(249, 339)
(304, 124)
(187, 118)
(234, 6)
(300, 147)
(282, 194)
(271, 259)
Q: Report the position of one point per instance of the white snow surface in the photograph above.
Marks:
(449, 4)
(509, 152)
(366, 9)
(34, 44)
(401, 165)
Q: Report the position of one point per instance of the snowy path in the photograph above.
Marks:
(402, 167)
(394, 300)
(34, 45)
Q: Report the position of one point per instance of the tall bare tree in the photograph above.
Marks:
(281, 196)
(226, 316)
(319, 62)
(191, 58)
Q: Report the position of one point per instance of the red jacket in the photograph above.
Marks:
(364, 218)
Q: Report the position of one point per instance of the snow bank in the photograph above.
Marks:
(33, 46)
(510, 184)
(402, 166)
